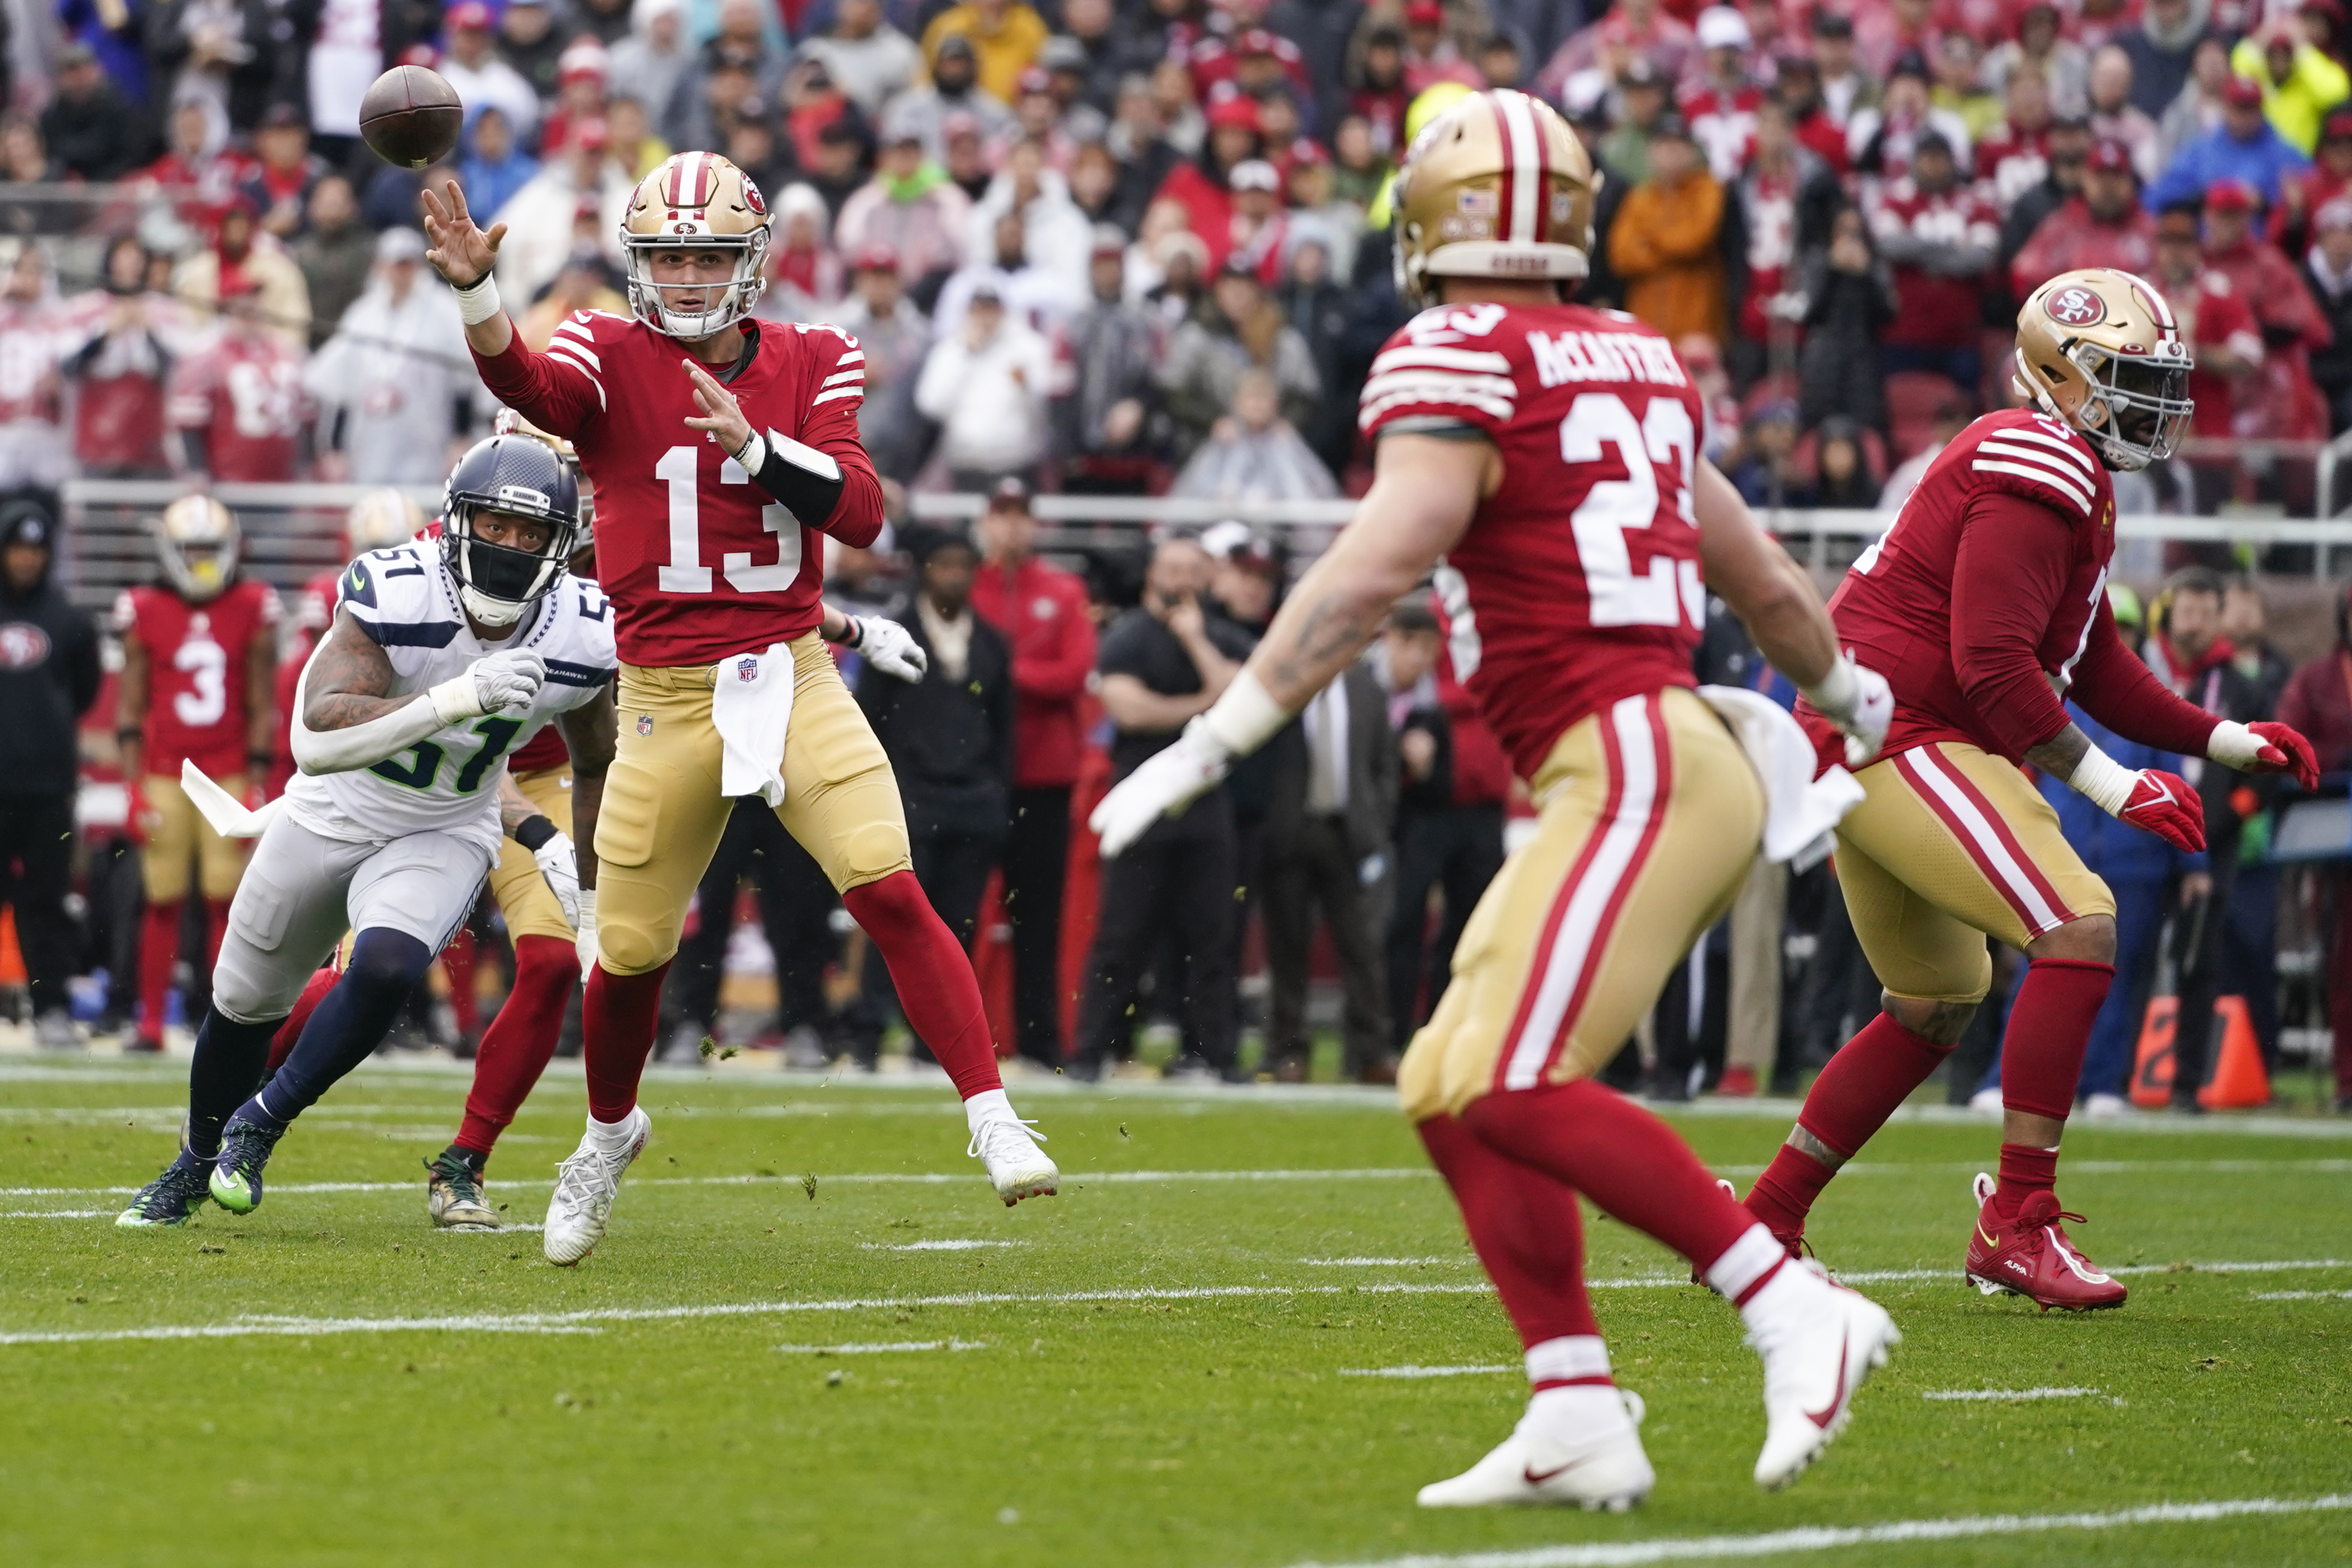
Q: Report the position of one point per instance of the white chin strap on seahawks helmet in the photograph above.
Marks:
(516, 476)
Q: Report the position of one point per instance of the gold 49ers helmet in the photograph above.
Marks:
(381, 519)
(2098, 348)
(197, 538)
(1497, 187)
(695, 201)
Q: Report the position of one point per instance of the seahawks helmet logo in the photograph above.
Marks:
(2077, 307)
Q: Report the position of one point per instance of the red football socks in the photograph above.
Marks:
(2023, 1169)
(1787, 1191)
(1618, 1155)
(2049, 1030)
(159, 949)
(617, 1017)
(1526, 1230)
(282, 1044)
(933, 975)
(1867, 1082)
(521, 1042)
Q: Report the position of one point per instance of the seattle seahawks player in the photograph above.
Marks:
(443, 654)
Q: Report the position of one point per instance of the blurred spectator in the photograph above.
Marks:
(2218, 323)
(2114, 115)
(606, 21)
(2066, 151)
(1847, 87)
(1315, 302)
(1500, 61)
(2244, 146)
(2299, 83)
(33, 451)
(281, 187)
(1431, 55)
(491, 165)
(394, 387)
(2198, 106)
(895, 339)
(869, 57)
(335, 256)
(985, 383)
(1204, 185)
(120, 370)
(237, 403)
(1879, 140)
(584, 180)
(966, 155)
(1092, 53)
(804, 272)
(1238, 330)
(1959, 87)
(1845, 298)
(651, 63)
(909, 206)
(586, 283)
(1720, 104)
(532, 42)
(1041, 611)
(48, 681)
(1797, 95)
(1665, 241)
(201, 166)
(1138, 140)
(472, 66)
(1953, 415)
(1703, 360)
(218, 48)
(1002, 35)
(1105, 408)
(243, 261)
(2103, 226)
(1941, 238)
(1624, 151)
(1766, 471)
(2161, 47)
(1254, 455)
(1162, 663)
(2287, 404)
(954, 88)
(1781, 207)
(1181, 119)
(89, 127)
(1042, 296)
(1094, 176)
(2060, 65)
(2012, 157)
(1358, 171)
(1377, 91)
(582, 80)
(814, 104)
(1315, 198)
(1054, 233)
(1633, 28)
(2318, 703)
(1843, 479)
(2327, 271)
(2329, 177)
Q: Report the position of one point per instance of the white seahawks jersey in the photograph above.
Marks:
(403, 598)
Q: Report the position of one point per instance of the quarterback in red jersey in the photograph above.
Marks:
(1986, 606)
(1542, 456)
(722, 449)
(199, 663)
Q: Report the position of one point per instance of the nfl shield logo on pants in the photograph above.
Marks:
(747, 669)
(645, 723)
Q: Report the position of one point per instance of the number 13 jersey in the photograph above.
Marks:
(702, 563)
(1576, 583)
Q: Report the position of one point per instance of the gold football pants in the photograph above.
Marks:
(176, 832)
(523, 895)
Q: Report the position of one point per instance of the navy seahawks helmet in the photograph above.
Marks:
(522, 477)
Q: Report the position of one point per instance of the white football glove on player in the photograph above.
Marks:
(586, 925)
(1857, 701)
(498, 683)
(1237, 724)
(560, 865)
(886, 646)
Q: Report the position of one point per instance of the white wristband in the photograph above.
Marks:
(2104, 781)
(457, 699)
(754, 455)
(1834, 695)
(479, 303)
(2233, 745)
(1246, 718)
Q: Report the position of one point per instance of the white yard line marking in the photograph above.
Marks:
(59, 1214)
(1826, 1537)
(943, 1244)
(1425, 1371)
(2302, 1295)
(1456, 1262)
(2007, 1395)
(883, 1349)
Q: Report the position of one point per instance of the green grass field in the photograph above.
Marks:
(1153, 1368)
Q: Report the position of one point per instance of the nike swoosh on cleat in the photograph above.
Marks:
(1828, 1413)
(1527, 1473)
(1987, 1240)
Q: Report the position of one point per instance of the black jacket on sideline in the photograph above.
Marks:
(951, 742)
(49, 678)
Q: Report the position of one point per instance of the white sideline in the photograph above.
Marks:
(1827, 1538)
(2008, 1395)
(1425, 1371)
(2302, 1295)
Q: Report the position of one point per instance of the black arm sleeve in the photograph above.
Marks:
(811, 498)
(83, 670)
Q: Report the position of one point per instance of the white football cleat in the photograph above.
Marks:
(585, 1185)
(2106, 1107)
(1818, 1341)
(1017, 1167)
(1560, 1457)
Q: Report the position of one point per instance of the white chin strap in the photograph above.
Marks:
(490, 611)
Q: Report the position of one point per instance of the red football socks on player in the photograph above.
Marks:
(1526, 1231)
(933, 975)
(2023, 1169)
(1787, 1191)
(2049, 1030)
(1864, 1083)
(1621, 1157)
(521, 1042)
(159, 949)
(282, 1044)
(457, 969)
(617, 1017)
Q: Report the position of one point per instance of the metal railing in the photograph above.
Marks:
(292, 532)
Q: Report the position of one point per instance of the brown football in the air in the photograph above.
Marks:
(411, 115)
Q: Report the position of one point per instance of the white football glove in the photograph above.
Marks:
(886, 646)
(1860, 703)
(586, 942)
(560, 865)
(1169, 781)
(499, 682)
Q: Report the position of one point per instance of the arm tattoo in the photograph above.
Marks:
(347, 679)
(515, 808)
(2059, 755)
(1336, 627)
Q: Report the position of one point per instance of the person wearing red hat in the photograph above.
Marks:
(2103, 226)
(2285, 404)
(581, 74)
(2244, 146)
(472, 66)
(1431, 54)
(542, 218)
(1204, 183)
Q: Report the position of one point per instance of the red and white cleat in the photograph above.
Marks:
(1819, 1342)
(2031, 1256)
(1581, 1451)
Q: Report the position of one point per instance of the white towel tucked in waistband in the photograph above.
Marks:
(752, 707)
(1799, 810)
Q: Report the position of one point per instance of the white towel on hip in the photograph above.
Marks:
(751, 707)
(1799, 810)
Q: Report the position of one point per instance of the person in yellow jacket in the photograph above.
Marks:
(1005, 37)
(2300, 85)
(1666, 241)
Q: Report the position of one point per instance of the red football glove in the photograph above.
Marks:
(2165, 805)
(2284, 751)
(135, 821)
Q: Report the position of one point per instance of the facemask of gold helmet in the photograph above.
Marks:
(1497, 187)
(2099, 348)
(379, 520)
(506, 421)
(694, 203)
(196, 540)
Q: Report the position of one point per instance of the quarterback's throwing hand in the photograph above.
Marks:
(886, 646)
(2165, 805)
(462, 254)
(1169, 781)
(2264, 748)
(723, 416)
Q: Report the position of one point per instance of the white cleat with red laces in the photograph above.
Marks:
(1819, 1342)
(1577, 1453)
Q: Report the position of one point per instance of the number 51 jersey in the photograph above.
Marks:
(1576, 583)
(402, 599)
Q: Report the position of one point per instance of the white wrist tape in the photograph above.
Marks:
(1246, 718)
(479, 303)
(1834, 695)
(2233, 745)
(754, 455)
(457, 699)
(2102, 780)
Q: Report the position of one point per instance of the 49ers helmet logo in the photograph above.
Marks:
(2077, 307)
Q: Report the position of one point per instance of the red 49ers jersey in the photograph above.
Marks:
(700, 561)
(245, 395)
(1895, 607)
(1578, 582)
(196, 662)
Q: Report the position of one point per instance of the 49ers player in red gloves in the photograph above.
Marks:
(1985, 605)
(720, 449)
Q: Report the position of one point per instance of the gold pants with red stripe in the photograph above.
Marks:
(177, 833)
(516, 882)
(1650, 816)
(1951, 845)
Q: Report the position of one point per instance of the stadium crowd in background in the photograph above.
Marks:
(1141, 247)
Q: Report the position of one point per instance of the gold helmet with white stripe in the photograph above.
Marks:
(2098, 348)
(197, 541)
(695, 202)
(506, 421)
(1497, 187)
(381, 519)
